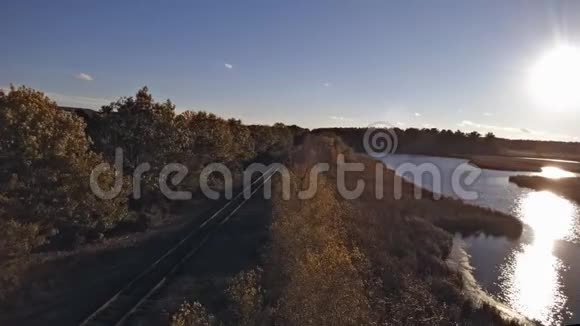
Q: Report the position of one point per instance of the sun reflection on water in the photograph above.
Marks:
(553, 172)
(531, 280)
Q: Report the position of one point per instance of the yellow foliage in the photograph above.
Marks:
(192, 314)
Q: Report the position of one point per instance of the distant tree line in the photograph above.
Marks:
(47, 154)
(432, 141)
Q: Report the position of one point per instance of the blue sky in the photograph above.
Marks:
(447, 64)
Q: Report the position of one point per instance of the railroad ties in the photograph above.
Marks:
(137, 295)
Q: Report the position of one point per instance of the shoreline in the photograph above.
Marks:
(565, 187)
(523, 164)
(459, 261)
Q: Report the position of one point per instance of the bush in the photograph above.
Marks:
(245, 291)
(18, 238)
(317, 273)
(192, 314)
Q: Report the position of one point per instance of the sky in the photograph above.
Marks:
(444, 64)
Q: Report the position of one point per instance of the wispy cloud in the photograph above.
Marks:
(417, 114)
(468, 123)
(326, 84)
(78, 101)
(228, 65)
(73, 100)
(487, 114)
(514, 132)
(84, 76)
(343, 119)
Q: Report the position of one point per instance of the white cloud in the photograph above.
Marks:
(400, 124)
(228, 66)
(513, 132)
(326, 84)
(343, 119)
(84, 76)
(487, 114)
(468, 123)
(417, 114)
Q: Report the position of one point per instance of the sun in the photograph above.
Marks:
(554, 79)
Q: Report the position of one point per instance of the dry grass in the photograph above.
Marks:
(386, 255)
(450, 214)
(64, 285)
(506, 163)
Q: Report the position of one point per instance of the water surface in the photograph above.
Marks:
(533, 275)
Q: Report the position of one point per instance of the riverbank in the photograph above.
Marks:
(508, 163)
(335, 259)
(566, 187)
(448, 213)
(459, 261)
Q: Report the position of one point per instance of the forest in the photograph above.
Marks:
(324, 261)
(446, 142)
(47, 154)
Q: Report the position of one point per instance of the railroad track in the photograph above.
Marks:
(126, 303)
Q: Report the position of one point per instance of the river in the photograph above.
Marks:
(536, 274)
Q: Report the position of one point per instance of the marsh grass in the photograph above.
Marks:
(507, 163)
(334, 261)
(567, 187)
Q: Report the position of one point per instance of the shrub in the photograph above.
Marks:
(192, 314)
(245, 291)
(18, 238)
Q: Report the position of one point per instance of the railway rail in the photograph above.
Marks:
(126, 303)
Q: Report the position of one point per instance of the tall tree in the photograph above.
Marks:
(145, 130)
(46, 163)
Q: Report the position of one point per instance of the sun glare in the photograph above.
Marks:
(555, 77)
(531, 282)
(553, 172)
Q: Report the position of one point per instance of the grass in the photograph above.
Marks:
(450, 214)
(328, 260)
(507, 163)
(397, 248)
(567, 187)
(59, 287)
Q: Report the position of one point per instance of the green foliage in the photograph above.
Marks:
(46, 163)
(192, 314)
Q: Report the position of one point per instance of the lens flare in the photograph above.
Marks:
(554, 78)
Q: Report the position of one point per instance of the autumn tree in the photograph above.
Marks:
(46, 163)
(145, 130)
(213, 139)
